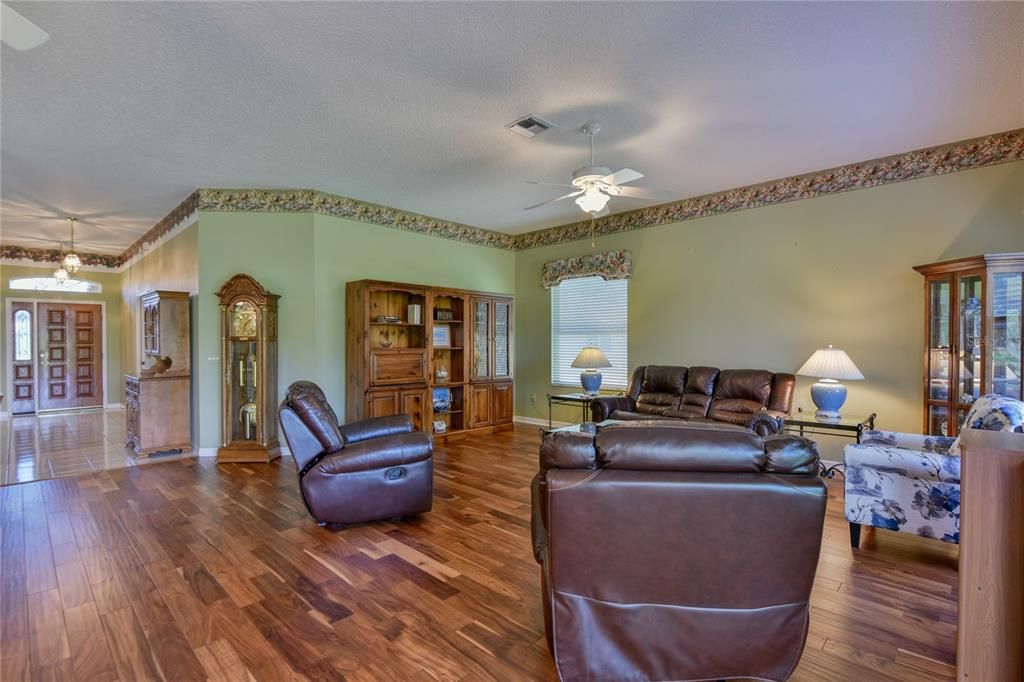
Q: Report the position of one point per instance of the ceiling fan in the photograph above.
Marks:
(594, 185)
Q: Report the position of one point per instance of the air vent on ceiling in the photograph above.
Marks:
(531, 125)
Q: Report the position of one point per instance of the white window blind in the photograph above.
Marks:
(589, 310)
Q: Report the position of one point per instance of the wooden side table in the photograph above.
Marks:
(581, 399)
(847, 427)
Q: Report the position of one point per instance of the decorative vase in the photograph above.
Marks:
(442, 375)
(590, 379)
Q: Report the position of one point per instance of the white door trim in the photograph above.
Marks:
(8, 359)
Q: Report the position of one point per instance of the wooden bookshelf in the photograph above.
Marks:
(395, 362)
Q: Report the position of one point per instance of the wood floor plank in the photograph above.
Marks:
(47, 637)
(90, 655)
(129, 647)
(193, 570)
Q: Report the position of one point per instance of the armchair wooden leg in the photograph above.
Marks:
(854, 535)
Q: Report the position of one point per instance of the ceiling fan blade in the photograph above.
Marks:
(546, 184)
(602, 213)
(643, 193)
(551, 201)
(621, 177)
(19, 32)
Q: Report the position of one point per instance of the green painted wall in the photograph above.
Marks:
(765, 287)
(111, 296)
(307, 259)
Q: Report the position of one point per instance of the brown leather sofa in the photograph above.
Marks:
(744, 397)
(363, 471)
(676, 550)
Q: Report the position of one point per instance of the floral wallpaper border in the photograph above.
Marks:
(12, 252)
(948, 158)
(303, 200)
(607, 264)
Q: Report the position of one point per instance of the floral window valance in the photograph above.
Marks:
(609, 265)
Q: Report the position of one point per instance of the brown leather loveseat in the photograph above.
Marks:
(676, 550)
(364, 471)
(734, 396)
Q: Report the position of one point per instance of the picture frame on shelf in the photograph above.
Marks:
(442, 337)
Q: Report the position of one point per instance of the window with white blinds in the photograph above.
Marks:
(589, 310)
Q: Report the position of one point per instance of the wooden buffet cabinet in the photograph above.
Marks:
(158, 399)
(407, 342)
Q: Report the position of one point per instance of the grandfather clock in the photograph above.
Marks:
(249, 363)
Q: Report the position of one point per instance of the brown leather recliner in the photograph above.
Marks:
(744, 397)
(363, 471)
(676, 550)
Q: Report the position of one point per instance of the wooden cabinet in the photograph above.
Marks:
(249, 367)
(158, 398)
(165, 332)
(989, 615)
(410, 401)
(413, 349)
(157, 413)
(490, 404)
(972, 335)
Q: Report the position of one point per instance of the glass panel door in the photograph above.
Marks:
(1005, 339)
(502, 339)
(481, 338)
(970, 339)
(939, 344)
(938, 420)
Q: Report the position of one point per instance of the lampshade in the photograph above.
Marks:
(591, 357)
(831, 363)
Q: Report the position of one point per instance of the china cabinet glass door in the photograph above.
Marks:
(969, 344)
(481, 338)
(502, 339)
(940, 303)
(1005, 334)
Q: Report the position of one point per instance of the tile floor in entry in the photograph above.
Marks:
(64, 444)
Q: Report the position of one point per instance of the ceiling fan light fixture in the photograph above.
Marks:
(592, 200)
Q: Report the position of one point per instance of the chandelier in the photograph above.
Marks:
(71, 262)
(61, 274)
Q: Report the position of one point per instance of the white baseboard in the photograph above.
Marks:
(113, 407)
(518, 419)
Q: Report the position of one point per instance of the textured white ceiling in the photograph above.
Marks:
(131, 105)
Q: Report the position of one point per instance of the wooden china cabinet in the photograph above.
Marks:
(440, 355)
(249, 364)
(972, 335)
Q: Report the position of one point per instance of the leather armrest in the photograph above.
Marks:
(568, 450)
(765, 423)
(356, 432)
(788, 454)
(602, 408)
(538, 529)
(378, 453)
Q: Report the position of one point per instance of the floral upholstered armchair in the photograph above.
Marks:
(911, 483)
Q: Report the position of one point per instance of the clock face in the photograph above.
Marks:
(243, 319)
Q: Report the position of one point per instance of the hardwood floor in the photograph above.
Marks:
(187, 570)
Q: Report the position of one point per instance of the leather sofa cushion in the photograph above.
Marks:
(679, 446)
(661, 388)
(386, 451)
(629, 416)
(744, 384)
(319, 393)
(701, 380)
(316, 414)
(375, 428)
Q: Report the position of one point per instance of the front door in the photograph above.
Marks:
(23, 374)
(70, 355)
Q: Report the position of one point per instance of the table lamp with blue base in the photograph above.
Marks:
(591, 359)
(830, 365)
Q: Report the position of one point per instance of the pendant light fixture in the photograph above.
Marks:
(71, 262)
(61, 274)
